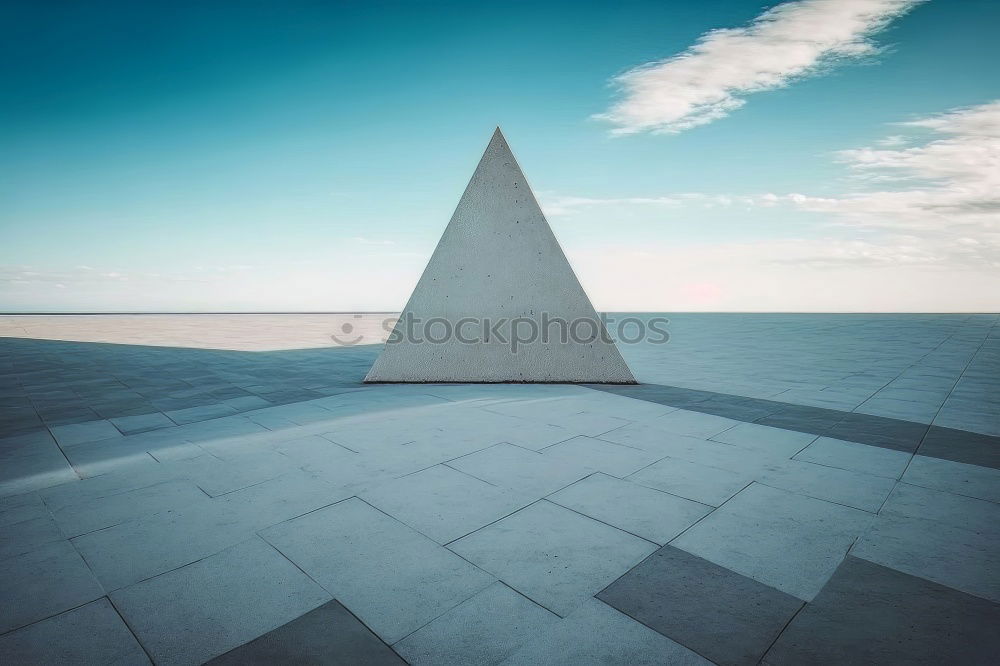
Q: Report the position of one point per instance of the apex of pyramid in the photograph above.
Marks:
(498, 141)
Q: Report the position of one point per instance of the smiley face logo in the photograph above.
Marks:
(346, 329)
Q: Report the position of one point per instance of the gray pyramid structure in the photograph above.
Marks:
(498, 301)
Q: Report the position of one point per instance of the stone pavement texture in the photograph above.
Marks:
(779, 489)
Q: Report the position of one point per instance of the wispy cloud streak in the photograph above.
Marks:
(711, 78)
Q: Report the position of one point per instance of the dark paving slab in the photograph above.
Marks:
(327, 635)
(889, 433)
(961, 446)
(726, 617)
(869, 614)
(879, 431)
(46, 581)
(46, 383)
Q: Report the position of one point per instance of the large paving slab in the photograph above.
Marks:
(443, 503)
(90, 634)
(595, 634)
(328, 634)
(964, 559)
(597, 454)
(701, 483)
(552, 555)
(485, 629)
(874, 615)
(791, 542)
(31, 461)
(44, 582)
(956, 477)
(689, 599)
(392, 577)
(855, 457)
(241, 593)
(520, 470)
(648, 513)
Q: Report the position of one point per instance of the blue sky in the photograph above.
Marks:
(829, 155)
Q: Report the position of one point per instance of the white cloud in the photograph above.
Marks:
(927, 198)
(710, 79)
(565, 205)
(945, 194)
(370, 241)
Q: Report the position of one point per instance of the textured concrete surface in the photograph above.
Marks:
(756, 498)
(498, 260)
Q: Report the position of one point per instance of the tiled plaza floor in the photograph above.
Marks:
(780, 489)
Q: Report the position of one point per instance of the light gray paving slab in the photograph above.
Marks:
(302, 413)
(954, 477)
(955, 510)
(396, 460)
(645, 512)
(963, 559)
(443, 503)
(627, 408)
(95, 514)
(353, 470)
(138, 549)
(313, 449)
(591, 423)
(281, 498)
(81, 491)
(265, 418)
(428, 449)
(765, 438)
(28, 535)
(48, 580)
(485, 629)
(91, 634)
(595, 634)
(141, 422)
(788, 541)
(393, 578)
(542, 407)
(696, 450)
(854, 489)
(532, 434)
(855, 457)
(701, 483)
(74, 434)
(552, 555)
(520, 470)
(215, 431)
(614, 459)
(694, 424)
(216, 476)
(206, 608)
(580, 415)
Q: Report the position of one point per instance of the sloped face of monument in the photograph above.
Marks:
(498, 301)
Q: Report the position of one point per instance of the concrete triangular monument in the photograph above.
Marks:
(496, 270)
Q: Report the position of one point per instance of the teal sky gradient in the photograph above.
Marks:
(168, 156)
